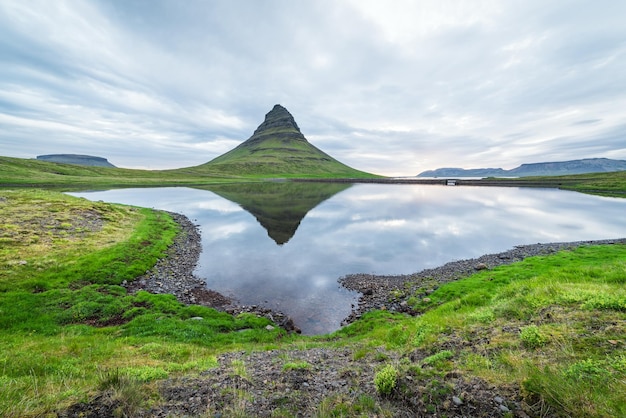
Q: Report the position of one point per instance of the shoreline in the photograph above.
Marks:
(392, 292)
(173, 274)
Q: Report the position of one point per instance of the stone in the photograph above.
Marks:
(503, 408)
(269, 328)
(498, 399)
(481, 266)
(196, 318)
(457, 401)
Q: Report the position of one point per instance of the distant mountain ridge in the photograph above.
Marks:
(559, 168)
(277, 148)
(76, 159)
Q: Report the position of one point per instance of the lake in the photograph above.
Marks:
(284, 245)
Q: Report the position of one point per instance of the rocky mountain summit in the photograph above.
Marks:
(76, 159)
(277, 121)
(560, 168)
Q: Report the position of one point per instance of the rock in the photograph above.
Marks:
(269, 328)
(498, 399)
(503, 408)
(481, 266)
(457, 401)
(196, 318)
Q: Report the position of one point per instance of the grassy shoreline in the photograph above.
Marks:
(550, 329)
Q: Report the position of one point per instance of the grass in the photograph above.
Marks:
(18, 172)
(604, 184)
(64, 319)
(552, 326)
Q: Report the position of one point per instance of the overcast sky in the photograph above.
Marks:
(390, 87)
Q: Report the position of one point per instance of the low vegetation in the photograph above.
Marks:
(67, 327)
(605, 184)
(549, 331)
(34, 173)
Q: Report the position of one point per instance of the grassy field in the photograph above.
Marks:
(19, 172)
(66, 324)
(605, 184)
(552, 327)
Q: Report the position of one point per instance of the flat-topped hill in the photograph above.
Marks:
(76, 159)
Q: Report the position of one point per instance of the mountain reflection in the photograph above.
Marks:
(278, 207)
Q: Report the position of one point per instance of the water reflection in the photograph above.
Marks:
(382, 229)
(278, 207)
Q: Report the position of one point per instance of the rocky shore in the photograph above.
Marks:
(391, 292)
(173, 274)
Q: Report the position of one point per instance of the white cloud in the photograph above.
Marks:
(393, 88)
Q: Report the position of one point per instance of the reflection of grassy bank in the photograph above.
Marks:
(549, 328)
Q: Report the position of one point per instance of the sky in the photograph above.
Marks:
(389, 87)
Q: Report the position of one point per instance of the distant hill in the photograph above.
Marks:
(76, 159)
(587, 165)
(277, 148)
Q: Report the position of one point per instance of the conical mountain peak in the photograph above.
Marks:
(278, 119)
(277, 148)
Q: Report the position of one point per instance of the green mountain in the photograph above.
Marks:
(278, 206)
(277, 148)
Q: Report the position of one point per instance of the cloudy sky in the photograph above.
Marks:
(391, 87)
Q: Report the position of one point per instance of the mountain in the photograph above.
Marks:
(277, 148)
(278, 206)
(586, 165)
(76, 159)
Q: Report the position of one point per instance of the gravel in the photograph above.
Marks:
(173, 274)
(309, 383)
(392, 292)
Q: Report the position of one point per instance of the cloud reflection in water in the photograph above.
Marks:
(381, 229)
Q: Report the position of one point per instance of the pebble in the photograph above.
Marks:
(457, 401)
(173, 274)
(377, 290)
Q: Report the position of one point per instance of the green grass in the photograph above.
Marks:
(279, 157)
(553, 326)
(66, 322)
(604, 184)
(34, 173)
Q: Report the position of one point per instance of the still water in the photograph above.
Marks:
(284, 245)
